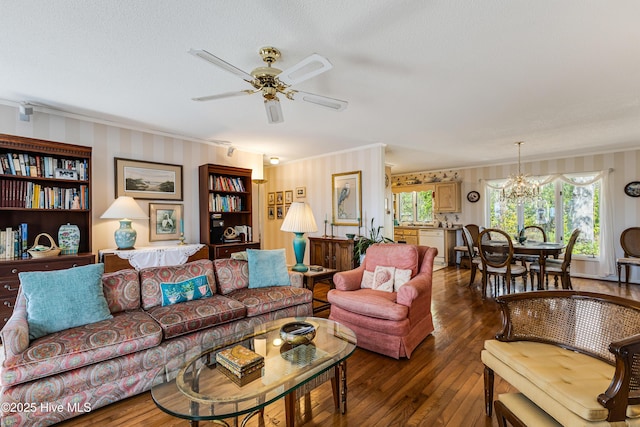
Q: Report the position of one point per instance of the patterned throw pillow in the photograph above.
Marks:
(232, 274)
(188, 290)
(367, 280)
(383, 278)
(400, 278)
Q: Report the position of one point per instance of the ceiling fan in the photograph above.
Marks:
(271, 81)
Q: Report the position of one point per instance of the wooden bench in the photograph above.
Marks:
(574, 355)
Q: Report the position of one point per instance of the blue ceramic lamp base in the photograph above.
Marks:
(125, 235)
(299, 246)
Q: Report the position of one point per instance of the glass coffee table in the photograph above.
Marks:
(200, 391)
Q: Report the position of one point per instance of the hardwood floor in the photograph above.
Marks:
(441, 385)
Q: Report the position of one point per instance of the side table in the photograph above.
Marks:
(313, 277)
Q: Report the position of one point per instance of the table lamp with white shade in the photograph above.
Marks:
(125, 208)
(299, 220)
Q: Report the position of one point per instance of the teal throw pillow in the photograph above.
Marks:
(187, 290)
(63, 299)
(267, 268)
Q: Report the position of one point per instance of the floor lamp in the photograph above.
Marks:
(299, 220)
(259, 183)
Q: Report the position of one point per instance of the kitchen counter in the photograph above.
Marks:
(444, 239)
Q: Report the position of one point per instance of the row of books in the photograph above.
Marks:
(240, 364)
(225, 183)
(219, 203)
(13, 243)
(23, 164)
(30, 195)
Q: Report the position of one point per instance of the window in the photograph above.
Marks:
(566, 202)
(415, 206)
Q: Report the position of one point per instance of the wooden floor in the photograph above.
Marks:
(441, 385)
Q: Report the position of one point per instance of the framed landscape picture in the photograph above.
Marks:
(347, 198)
(165, 222)
(148, 180)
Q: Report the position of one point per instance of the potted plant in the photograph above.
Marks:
(362, 243)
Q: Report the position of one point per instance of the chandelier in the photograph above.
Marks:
(518, 188)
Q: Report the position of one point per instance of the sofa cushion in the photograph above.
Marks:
(125, 333)
(63, 299)
(232, 274)
(267, 268)
(369, 302)
(152, 277)
(186, 290)
(563, 378)
(264, 300)
(122, 290)
(180, 319)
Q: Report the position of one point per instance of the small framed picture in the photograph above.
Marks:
(66, 174)
(271, 199)
(301, 192)
(165, 221)
(286, 209)
(288, 196)
(279, 198)
(271, 212)
(280, 212)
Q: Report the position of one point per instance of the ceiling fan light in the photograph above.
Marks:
(274, 111)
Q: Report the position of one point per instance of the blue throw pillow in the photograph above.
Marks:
(267, 268)
(63, 299)
(187, 290)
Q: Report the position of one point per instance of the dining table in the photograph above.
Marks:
(542, 250)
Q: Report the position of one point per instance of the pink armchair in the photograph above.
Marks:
(390, 323)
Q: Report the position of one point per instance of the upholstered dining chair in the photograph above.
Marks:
(557, 268)
(465, 260)
(496, 254)
(474, 258)
(630, 242)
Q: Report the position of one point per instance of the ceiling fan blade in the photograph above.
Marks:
(309, 67)
(274, 111)
(323, 101)
(223, 95)
(203, 54)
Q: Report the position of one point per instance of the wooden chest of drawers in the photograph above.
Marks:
(9, 281)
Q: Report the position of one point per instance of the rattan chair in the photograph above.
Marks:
(557, 268)
(630, 242)
(496, 253)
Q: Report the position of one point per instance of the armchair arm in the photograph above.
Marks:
(297, 279)
(620, 392)
(416, 289)
(348, 280)
(15, 334)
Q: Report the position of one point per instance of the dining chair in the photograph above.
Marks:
(474, 259)
(496, 254)
(630, 242)
(465, 260)
(533, 233)
(557, 268)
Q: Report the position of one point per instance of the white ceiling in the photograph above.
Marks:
(443, 84)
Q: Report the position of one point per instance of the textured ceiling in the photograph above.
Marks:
(443, 84)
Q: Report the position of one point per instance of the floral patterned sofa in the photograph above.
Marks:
(64, 374)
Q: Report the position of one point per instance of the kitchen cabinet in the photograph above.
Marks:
(447, 197)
